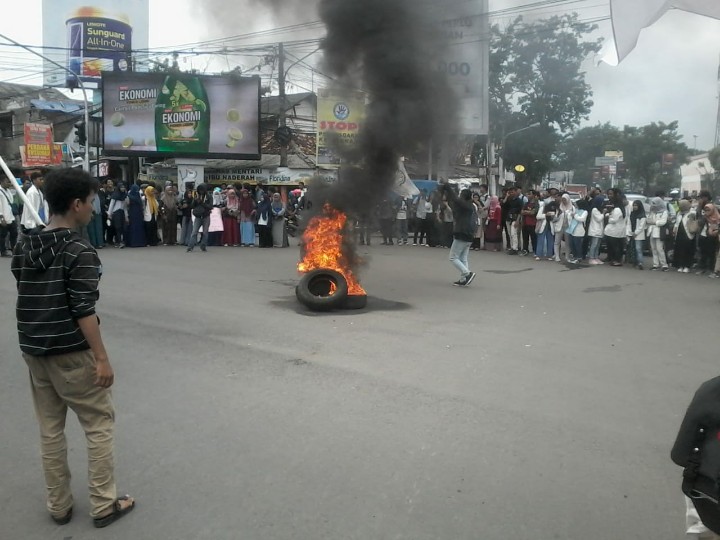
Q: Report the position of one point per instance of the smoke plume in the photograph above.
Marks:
(233, 17)
(388, 47)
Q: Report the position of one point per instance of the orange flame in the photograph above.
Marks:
(323, 243)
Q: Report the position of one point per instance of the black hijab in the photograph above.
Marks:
(637, 213)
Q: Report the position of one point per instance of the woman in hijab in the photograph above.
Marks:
(279, 230)
(118, 212)
(231, 216)
(616, 228)
(595, 229)
(264, 222)
(684, 230)
(246, 207)
(136, 224)
(151, 211)
(636, 232)
(708, 239)
(95, 227)
(169, 230)
(576, 230)
(560, 223)
(656, 221)
(493, 225)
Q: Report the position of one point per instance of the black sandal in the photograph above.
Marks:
(116, 514)
(63, 520)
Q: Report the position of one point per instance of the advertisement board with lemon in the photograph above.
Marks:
(181, 114)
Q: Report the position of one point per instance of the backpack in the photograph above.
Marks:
(697, 450)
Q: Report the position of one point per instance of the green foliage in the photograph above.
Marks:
(578, 151)
(714, 157)
(536, 76)
(642, 147)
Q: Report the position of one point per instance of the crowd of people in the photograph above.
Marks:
(553, 226)
(148, 215)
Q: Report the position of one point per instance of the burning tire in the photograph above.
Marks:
(322, 290)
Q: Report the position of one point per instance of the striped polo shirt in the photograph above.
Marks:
(57, 275)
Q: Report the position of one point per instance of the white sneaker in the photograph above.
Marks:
(686, 270)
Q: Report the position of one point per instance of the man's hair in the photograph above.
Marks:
(466, 194)
(64, 186)
(705, 194)
(34, 176)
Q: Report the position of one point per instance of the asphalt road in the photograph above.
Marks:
(541, 402)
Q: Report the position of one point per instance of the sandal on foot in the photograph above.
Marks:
(63, 520)
(117, 513)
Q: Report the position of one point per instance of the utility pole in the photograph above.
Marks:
(282, 121)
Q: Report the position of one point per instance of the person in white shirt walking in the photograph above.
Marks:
(8, 227)
(37, 200)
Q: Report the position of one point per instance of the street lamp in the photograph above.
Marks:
(86, 165)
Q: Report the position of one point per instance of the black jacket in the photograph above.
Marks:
(463, 210)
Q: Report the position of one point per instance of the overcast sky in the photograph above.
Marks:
(671, 75)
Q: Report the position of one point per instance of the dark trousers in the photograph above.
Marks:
(422, 230)
(386, 228)
(151, 232)
(708, 249)
(529, 237)
(8, 232)
(118, 221)
(614, 249)
(684, 252)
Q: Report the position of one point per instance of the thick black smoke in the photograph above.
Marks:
(389, 48)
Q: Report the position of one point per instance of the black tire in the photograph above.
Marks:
(355, 301)
(313, 290)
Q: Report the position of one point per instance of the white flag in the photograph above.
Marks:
(629, 17)
(403, 185)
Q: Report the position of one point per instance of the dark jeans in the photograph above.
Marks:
(529, 237)
(205, 224)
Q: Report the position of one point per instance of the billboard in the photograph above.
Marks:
(181, 115)
(465, 60)
(39, 145)
(92, 36)
(340, 116)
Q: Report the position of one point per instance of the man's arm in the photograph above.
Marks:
(104, 375)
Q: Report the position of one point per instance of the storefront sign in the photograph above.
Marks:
(38, 145)
(340, 119)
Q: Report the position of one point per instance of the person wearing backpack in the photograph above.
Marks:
(465, 225)
(201, 206)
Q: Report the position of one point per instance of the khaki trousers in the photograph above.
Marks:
(63, 381)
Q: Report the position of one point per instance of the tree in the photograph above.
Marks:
(536, 76)
(578, 151)
(644, 148)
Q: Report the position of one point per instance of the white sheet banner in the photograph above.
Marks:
(629, 17)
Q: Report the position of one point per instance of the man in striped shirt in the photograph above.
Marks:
(57, 275)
